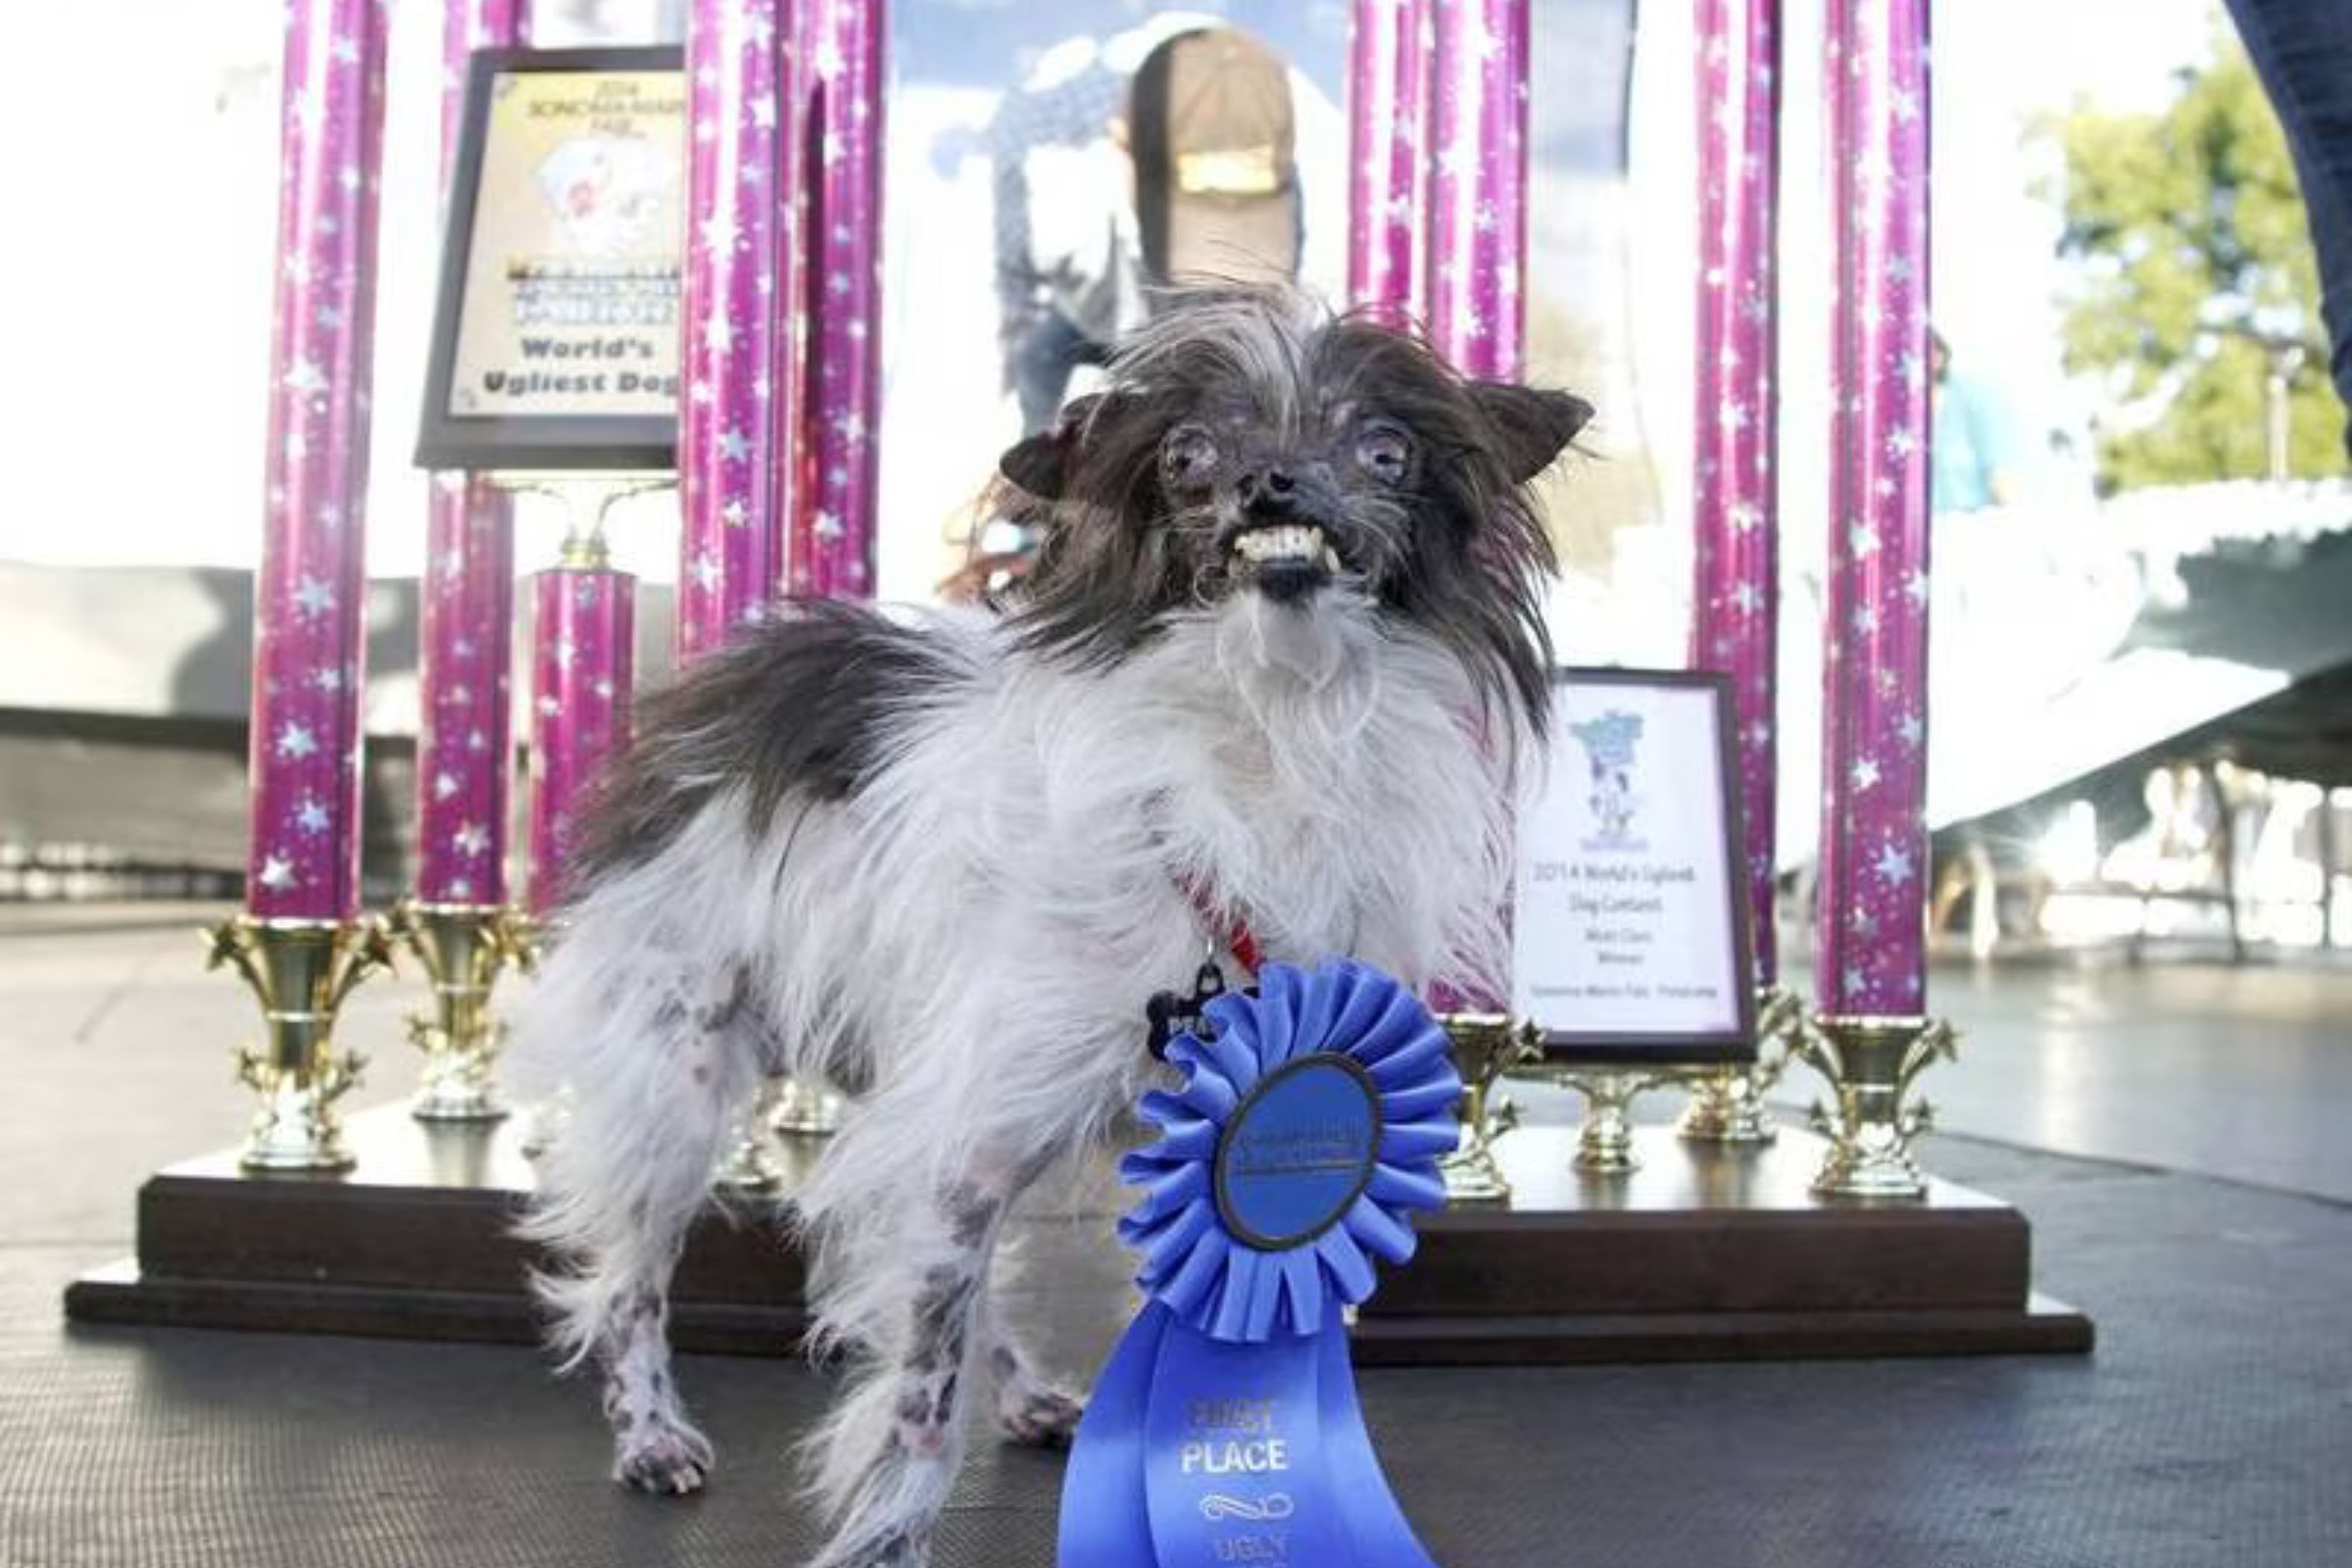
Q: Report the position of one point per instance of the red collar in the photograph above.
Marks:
(1224, 925)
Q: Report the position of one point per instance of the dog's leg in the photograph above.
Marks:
(1031, 1408)
(890, 1452)
(620, 1191)
(655, 1447)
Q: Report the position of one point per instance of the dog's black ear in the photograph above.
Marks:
(1040, 465)
(1533, 425)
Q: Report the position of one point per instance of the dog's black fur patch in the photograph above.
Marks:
(798, 705)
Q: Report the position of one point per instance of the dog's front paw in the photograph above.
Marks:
(662, 1460)
(1040, 1415)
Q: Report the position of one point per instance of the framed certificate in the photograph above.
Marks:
(1630, 920)
(556, 335)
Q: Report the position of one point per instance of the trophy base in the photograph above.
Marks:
(415, 1242)
(1708, 1251)
(1702, 1254)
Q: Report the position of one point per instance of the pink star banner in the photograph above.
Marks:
(303, 855)
(735, 433)
(1389, 45)
(585, 622)
(465, 660)
(1873, 839)
(1477, 219)
(832, 550)
(1735, 556)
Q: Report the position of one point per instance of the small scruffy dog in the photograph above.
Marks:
(1281, 649)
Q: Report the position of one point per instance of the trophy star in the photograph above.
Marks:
(1894, 864)
(476, 741)
(295, 741)
(277, 873)
(445, 786)
(732, 443)
(310, 815)
(471, 839)
(313, 597)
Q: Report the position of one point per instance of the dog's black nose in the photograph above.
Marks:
(1269, 492)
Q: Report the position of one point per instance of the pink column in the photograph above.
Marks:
(1736, 587)
(1874, 842)
(734, 432)
(465, 665)
(303, 860)
(1388, 69)
(832, 550)
(585, 623)
(1478, 185)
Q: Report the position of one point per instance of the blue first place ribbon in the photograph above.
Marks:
(1225, 1428)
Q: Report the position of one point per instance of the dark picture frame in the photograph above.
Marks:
(1735, 1044)
(449, 440)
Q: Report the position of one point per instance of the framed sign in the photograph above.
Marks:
(556, 335)
(1630, 920)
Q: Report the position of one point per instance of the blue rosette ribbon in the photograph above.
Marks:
(1225, 1427)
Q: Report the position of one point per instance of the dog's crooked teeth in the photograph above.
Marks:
(1290, 542)
(1331, 560)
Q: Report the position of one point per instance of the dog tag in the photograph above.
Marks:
(1171, 1015)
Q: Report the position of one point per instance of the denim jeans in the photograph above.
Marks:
(2302, 49)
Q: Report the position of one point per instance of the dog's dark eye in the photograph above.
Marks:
(1384, 452)
(1189, 455)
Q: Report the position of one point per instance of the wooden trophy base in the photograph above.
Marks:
(416, 1241)
(1706, 1253)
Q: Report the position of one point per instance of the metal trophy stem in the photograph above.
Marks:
(301, 971)
(1872, 1062)
(1486, 1046)
(803, 1108)
(462, 948)
(1604, 1143)
(1727, 1102)
(748, 1165)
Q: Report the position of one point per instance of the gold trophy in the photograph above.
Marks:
(301, 971)
(462, 948)
(1871, 1063)
(749, 1165)
(803, 1108)
(1604, 1142)
(1727, 1102)
(1486, 1046)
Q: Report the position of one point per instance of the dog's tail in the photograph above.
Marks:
(633, 1049)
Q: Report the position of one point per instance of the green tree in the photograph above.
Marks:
(2193, 279)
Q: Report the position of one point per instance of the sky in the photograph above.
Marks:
(141, 261)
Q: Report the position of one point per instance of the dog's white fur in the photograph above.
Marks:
(984, 922)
